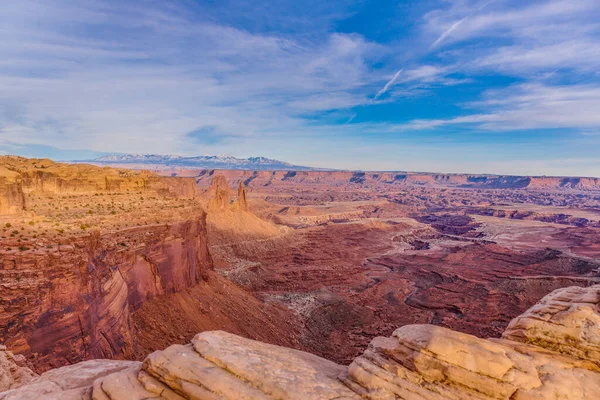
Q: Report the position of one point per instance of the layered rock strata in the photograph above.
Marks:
(20, 177)
(76, 301)
(553, 356)
(399, 179)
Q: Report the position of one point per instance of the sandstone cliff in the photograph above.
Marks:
(100, 259)
(12, 198)
(20, 177)
(550, 352)
(75, 301)
(344, 178)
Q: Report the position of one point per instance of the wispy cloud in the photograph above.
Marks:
(529, 106)
(160, 73)
(550, 47)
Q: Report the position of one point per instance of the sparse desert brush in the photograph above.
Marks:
(8, 225)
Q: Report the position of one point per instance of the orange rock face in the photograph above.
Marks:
(73, 275)
(12, 198)
(20, 176)
(398, 179)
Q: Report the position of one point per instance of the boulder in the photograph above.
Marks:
(13, 371)
(70, 382)
(567, 321)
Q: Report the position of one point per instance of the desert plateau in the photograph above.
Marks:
(106, 263)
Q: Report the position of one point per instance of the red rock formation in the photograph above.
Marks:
(242, 202)
(69, 295)
(76, 302)
(218, 194)
(231, 222)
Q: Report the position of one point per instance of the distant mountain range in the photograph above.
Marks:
(155, 161)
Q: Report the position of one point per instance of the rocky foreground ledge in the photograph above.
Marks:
(552, 351)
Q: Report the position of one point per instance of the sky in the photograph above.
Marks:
(504, 86)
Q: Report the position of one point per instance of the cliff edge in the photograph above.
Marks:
(549, 352)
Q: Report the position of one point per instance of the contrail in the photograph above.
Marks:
(457, 24)
(387, 85)
(448, 32)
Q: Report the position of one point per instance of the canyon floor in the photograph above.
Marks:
(357, 260)
(107, 263)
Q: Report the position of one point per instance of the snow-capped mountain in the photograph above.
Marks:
(203, 162)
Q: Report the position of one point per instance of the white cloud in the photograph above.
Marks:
(120, 75)
(582, 54)
(520, 37)
(529, 106)
(154, 75)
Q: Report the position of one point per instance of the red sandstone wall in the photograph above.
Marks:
(76, 303)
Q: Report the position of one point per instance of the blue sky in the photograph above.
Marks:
(449, 86)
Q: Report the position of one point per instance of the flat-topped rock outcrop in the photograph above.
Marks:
(550, 352)
(21, 177)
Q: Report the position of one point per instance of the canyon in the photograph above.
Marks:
(109, 263)
(552, 351)
(86, 251)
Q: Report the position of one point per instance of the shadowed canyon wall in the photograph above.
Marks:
(76, 302)
(70, 295)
